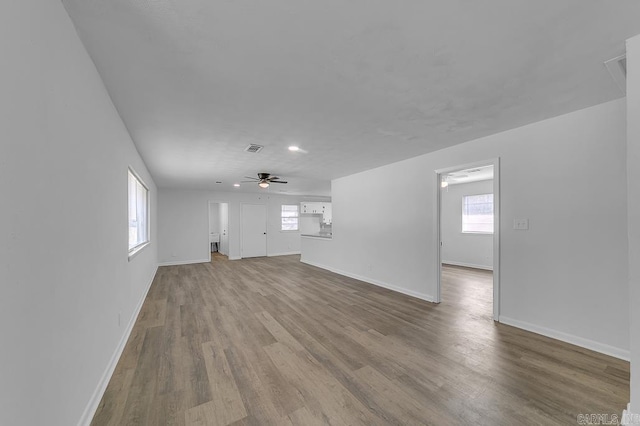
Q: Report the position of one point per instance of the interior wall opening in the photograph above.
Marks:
(219, 230)
(467, 235)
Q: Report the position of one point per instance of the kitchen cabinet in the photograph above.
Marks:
(326, 214)
(311, 208)
(317, 208)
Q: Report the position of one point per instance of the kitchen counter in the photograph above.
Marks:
(316, 249)
(318, 235)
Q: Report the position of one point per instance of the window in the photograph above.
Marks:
(138, 213)
(289, 217)
(477, 213)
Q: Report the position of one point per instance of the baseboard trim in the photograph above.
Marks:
(628, 417)
(468, 265)
(94, 401)
(417, 295)
(568, 338)
(289, 253)
(184, 262)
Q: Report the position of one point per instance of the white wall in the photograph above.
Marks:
(310, 223)
(472, 250)
(633, 181)
(64, 269)
(566, 276)
(183, 224)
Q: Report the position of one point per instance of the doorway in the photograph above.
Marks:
(254, 230)
(467, 233)
(219, 229)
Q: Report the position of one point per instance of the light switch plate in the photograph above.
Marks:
(521, 224)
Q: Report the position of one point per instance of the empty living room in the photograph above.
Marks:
(309, 213)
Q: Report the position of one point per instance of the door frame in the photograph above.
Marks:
(209, 222)
(495, 162)
(266, 227)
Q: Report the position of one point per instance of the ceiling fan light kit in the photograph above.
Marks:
(264, 180)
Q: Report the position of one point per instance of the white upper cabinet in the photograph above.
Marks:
(317, 208)
(311, 208)
(326, 214)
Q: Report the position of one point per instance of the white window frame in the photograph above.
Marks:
(133, 250)
(297, 216)
(464, 197)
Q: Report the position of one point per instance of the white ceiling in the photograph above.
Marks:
(357, 84)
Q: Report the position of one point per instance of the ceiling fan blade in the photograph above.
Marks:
(248, 181)
(277, 181)
(249, 177)
(273, 178)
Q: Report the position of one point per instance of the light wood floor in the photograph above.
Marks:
(273, 341)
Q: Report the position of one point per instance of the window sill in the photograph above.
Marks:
(476, 233)
(134, 252)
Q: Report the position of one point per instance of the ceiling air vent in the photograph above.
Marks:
(618, 69)
(254, 148)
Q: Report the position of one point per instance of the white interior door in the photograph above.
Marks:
(224, 229)
(254, 230)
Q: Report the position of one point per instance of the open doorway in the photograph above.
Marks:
(468, 237)
(219, 230)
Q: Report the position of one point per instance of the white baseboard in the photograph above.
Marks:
(94, 401)
(184, 262)
(283, 254)
(234, 257)
(629, 418)
(568, 338)
(418, 295)
(468, 265)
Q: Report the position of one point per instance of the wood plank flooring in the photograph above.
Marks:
(274, 341)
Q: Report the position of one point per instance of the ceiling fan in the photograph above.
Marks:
(264, 180)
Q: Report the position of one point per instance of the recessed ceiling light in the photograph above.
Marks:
(236, 185)
(294, 148)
